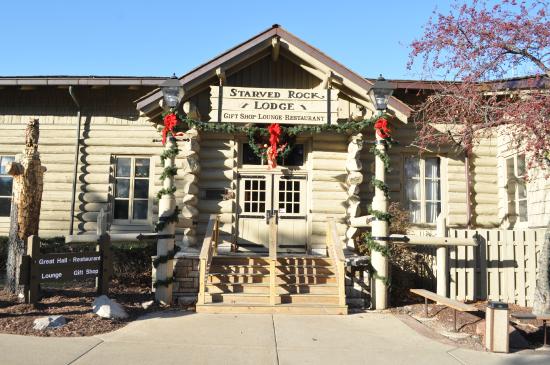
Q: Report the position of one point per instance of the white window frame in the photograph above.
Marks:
(6, 219)
(516, 222)
(150, 200)
(422, 178)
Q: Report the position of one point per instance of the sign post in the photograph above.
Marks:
(37, 268)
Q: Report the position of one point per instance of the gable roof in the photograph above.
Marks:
(246, 50)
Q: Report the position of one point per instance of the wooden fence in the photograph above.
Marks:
(502, 267)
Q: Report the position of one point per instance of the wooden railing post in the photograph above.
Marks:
(272, 259)
(441, 254)
(336, 253)
(209, 249)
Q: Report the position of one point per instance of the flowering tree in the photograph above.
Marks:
(474, 49)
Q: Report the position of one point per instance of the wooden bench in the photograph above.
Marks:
(451, 303)
(530, 316)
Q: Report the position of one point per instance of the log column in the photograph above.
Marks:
(191, 169)
(354, 179)
(167, 205)
(380, 229)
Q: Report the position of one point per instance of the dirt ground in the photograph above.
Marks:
(75, 304)
(524, 334)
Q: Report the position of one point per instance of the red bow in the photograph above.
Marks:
(170, 122)
(274, 134)
(272, 152)
(382, 129)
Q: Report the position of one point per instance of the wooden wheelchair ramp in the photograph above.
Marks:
(296, 284)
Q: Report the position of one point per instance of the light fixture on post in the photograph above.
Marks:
(172, 92)
(380, 93)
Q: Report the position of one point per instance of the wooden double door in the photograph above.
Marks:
(260, 195)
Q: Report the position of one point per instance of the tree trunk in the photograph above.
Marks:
(541, 303)
(28, 181)
(16, 248)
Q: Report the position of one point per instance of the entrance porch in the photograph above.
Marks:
(273, 282)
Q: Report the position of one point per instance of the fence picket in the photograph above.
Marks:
(494, 287)
(531, 270)
(519, 245)
(452, 268)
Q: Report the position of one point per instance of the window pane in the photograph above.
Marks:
(142, 167)
(123, 167)
(140, 209)
(412, 168)
(412, 189)
(141, 188)
(523, 211)
(249, 157)
(521, 165)
(414, 211)
(432, 190)
(510, 169)
(432, 211)
(122, 188)
(5, 185)
(522, 192)
(5, 206)
(4, 161)
(121, 209)
(432, 167)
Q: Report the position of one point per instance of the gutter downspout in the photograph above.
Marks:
(75, 167)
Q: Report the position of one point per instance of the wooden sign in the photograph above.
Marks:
(263, 105)
(37, 268)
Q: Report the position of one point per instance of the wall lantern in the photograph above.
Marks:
(380, 93)
(172, 91)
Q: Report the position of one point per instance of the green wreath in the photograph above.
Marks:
(258, 140)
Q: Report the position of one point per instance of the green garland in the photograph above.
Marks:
(383, 156)
(162, 259)
(164, 191)
(381, 185)
(169, 171)
(379, 215)
(290, 132)
(384, 250)
(163, 220)
(169, 153)
(166, 282)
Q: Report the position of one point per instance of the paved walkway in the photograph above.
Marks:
(190, 338)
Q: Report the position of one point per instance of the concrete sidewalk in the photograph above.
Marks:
(190, 338)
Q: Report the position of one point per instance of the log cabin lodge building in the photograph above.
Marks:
(326, 174)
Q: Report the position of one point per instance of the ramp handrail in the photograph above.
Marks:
(336, 253)
(208, 250)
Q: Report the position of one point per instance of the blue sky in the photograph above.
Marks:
(156, 38)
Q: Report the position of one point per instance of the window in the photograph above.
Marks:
(6, 184)
(516, 188)
(132, 189)
(294, 158)
(422, 189)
